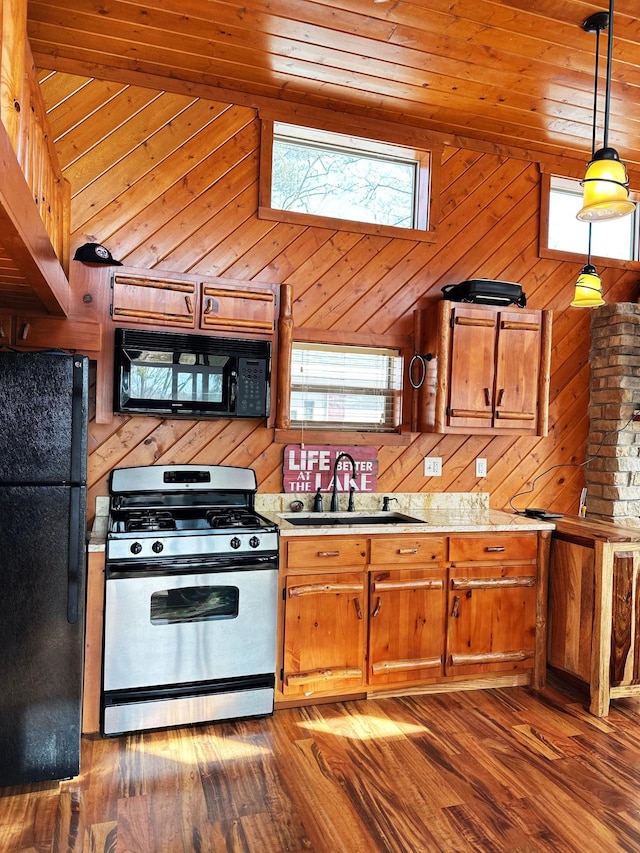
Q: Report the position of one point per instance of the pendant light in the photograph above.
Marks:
(606, 185)
(588, 292)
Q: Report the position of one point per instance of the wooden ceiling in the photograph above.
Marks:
(512, 73)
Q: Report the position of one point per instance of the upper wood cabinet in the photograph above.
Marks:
(29, 333)
(174, 301)
(488, 369)
(237, 309)
(158, 301)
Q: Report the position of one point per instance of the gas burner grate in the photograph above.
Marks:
(232, 518)
(141, 520)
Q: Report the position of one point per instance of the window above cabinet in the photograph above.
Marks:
(332, 179)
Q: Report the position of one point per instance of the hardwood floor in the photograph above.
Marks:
(491, 771)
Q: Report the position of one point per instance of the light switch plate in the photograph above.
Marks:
(432, 466)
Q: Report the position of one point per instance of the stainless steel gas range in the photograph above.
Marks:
(190, 598)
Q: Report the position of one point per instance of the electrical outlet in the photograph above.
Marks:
(481, 467)
(432, 466)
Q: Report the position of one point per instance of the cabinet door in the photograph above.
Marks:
(323, 633)
(81, 335)
(471, 378)
(406, 625)
(238, 308)
(517, 370)
(156, 301)
(491, 621)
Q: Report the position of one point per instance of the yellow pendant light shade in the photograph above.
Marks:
(588, 292)
(606, 193)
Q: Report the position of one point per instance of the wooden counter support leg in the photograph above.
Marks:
(540, 660)
(601, 690)
(601, 641)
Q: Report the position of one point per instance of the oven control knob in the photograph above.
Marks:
(254, 541)
(157, 547)
(136, 548)
(235, 542)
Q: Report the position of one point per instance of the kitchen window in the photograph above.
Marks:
(345, 387)
(616, 240)
(313, 176)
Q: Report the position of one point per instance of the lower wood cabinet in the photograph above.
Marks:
(492, 603)
(396, 612)
(492, 619)
(406, 625)
(324, 632)
(594, 608)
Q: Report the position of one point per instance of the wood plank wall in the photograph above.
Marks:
(170, 182)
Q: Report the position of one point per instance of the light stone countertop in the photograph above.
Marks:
(438, 512)
(445, 512)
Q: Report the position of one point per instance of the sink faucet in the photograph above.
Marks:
(335, 506)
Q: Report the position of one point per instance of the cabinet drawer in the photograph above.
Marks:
(407, 550)
(493, 547)
(325, 552)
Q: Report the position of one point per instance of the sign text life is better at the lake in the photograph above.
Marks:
(309, 468)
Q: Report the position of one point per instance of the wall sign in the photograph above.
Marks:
(309, 468)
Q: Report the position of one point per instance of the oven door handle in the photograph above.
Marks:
(188, 565)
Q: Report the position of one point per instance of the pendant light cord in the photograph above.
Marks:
(595, 99)
(607, 92)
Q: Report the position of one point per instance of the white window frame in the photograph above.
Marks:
(579, 256)
(426, 191)
(393, 394)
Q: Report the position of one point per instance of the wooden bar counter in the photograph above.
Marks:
(594, 607)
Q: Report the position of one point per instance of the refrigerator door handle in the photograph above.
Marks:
(75, 557)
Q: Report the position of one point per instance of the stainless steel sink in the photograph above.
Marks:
(348, 519)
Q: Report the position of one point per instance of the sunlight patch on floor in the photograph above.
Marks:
(363, 727)
(224, 749)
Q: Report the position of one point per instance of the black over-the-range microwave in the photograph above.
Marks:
(183, 375)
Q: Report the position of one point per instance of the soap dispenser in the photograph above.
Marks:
(317, 502)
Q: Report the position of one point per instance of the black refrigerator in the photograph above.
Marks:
(43, 498)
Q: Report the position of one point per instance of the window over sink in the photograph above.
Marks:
(345, 387)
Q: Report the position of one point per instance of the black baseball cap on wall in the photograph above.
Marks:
(94, 253)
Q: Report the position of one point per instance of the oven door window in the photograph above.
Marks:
(194, 604)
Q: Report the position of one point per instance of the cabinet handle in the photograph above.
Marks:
(2, 334)
(456, 606)
(376, 609)
(500, 396)
(208, 308)
(328, 553)
(407, 550)
(25, 331)
(475, 321)
(491, 549)
(356, 604)
(487, 397)
(189, 302)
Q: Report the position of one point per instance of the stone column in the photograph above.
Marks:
(613, 475)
